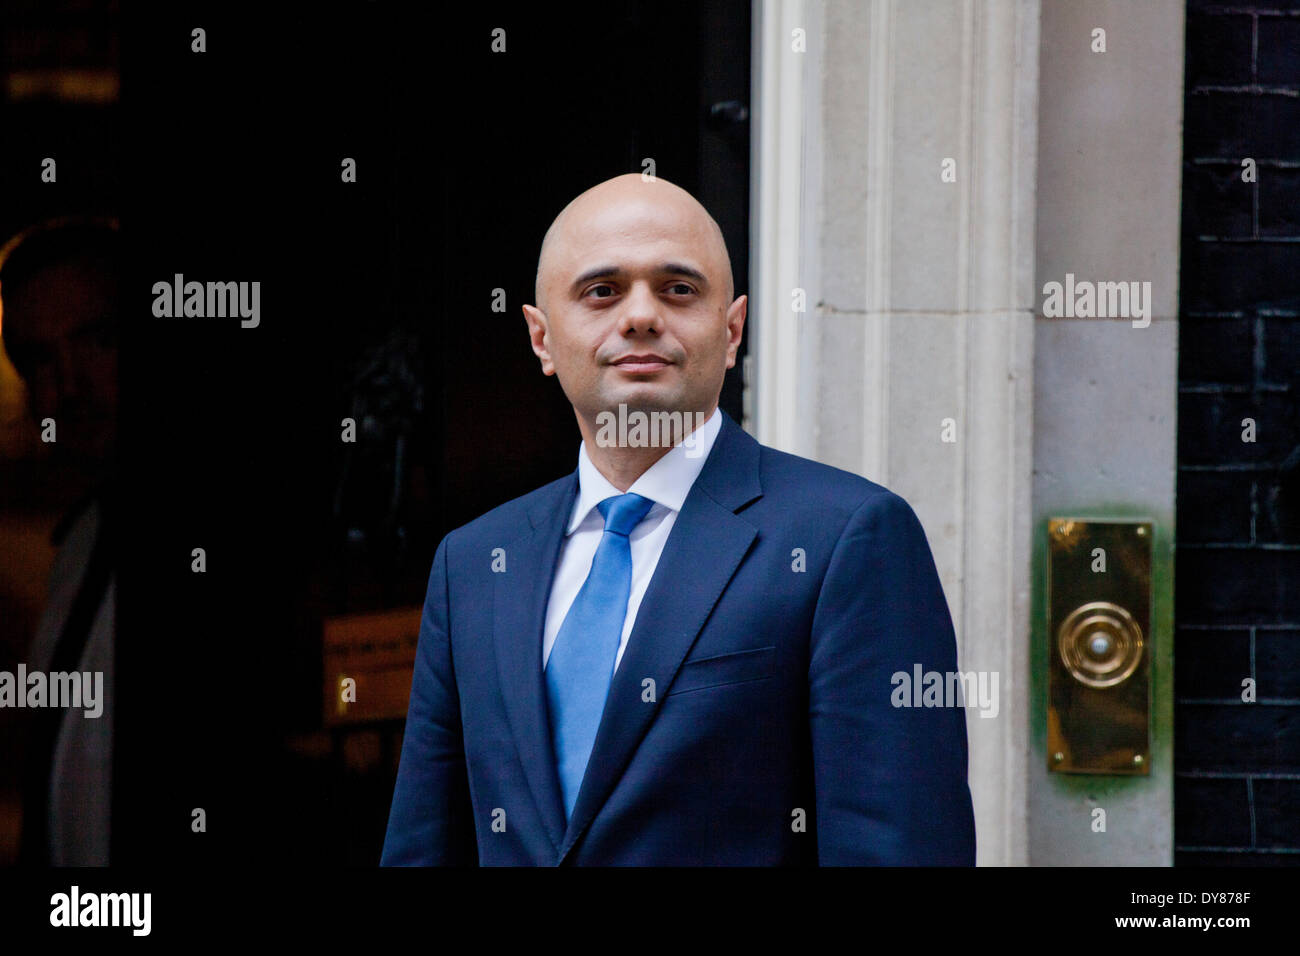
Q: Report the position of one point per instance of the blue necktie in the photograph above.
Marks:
(581, 665)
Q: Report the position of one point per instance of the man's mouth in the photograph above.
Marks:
(646, 362)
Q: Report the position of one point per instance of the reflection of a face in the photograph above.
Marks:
(60, 330)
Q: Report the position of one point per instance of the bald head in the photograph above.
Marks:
(604, 212)
(634, 309)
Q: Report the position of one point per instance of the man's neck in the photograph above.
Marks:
(624, 464)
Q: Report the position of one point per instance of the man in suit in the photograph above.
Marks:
(676, 655)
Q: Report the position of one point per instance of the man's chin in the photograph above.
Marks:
(648, 397)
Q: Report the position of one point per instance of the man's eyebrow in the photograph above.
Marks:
(670, 268)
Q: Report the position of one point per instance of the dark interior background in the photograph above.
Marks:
(376, 302)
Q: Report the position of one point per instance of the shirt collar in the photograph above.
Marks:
(667, 482)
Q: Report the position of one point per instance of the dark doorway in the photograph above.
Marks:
(376, 304)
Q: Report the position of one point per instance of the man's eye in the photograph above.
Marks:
(686, 290)
(597, 287)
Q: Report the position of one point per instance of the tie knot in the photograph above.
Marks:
(624, 512)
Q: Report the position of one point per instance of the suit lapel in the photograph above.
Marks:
(705, 547)
(519, 615)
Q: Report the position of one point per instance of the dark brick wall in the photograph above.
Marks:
(1237, 585)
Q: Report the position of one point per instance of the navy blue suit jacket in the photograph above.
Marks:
(750, 721)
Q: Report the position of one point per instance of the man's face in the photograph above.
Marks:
(61, 334)
(634, 302)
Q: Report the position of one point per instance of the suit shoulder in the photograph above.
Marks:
(802, 479)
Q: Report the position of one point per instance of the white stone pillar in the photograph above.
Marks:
(1106, 403)
(920, 303)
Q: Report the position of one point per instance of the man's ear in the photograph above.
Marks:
(538, 332)
(735, 327)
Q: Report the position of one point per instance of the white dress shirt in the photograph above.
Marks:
(666, 483)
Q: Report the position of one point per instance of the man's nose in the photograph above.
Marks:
(641, 310)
